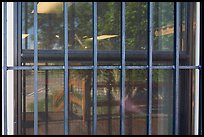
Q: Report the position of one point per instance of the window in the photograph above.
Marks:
(130, 66)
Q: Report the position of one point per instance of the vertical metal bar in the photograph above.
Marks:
(5, 68)
(176, 72)
(94, 100)
(200, 80)
(66, 84)
(46, 101)
(35, 70)
(150, 48)
(122, 72)
(197, 61)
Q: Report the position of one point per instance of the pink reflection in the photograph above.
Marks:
(131, 103)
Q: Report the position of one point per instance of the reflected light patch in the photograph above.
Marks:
(104, 37)
(24, 36)
(51, 7)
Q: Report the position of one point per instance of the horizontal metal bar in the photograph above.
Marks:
(136, 67)
(21, 68)
(99, 67)
(189, 67)
(163, 67)
(51, 67)
(109, 67)
(80, 67)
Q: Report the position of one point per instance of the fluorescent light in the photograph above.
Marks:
(51, 7)
(24, 36)
(104, 37)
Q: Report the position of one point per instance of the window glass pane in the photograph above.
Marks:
(50, 25)
(188, 47)
(163, 33)
(80, 104)
(136, 33)
(108, 102)
(50, 102)
(109, 33)
(80, 24)
(162, 110)
(135, 102)
(187, 101)
(27, 25)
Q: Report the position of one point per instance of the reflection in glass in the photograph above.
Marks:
(162, 102)
(187, 101)
(188, 46)
(163, 32)
(50, 25)
(108, 99)
(27, 25)
(50, 88)
(80, 102)
(163, 26)
(135, 102)
(80, 25)
(108, 31)
(136, 33)
(136, 25)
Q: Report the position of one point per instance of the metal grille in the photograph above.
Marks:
(122, 67)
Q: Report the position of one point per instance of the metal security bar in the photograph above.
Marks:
(150, 48)
(200, 130)
(66, 63)
(94, 99)
(5, 68)
(176, 71)
(122, 67)
(122, 74)
(35, 69)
